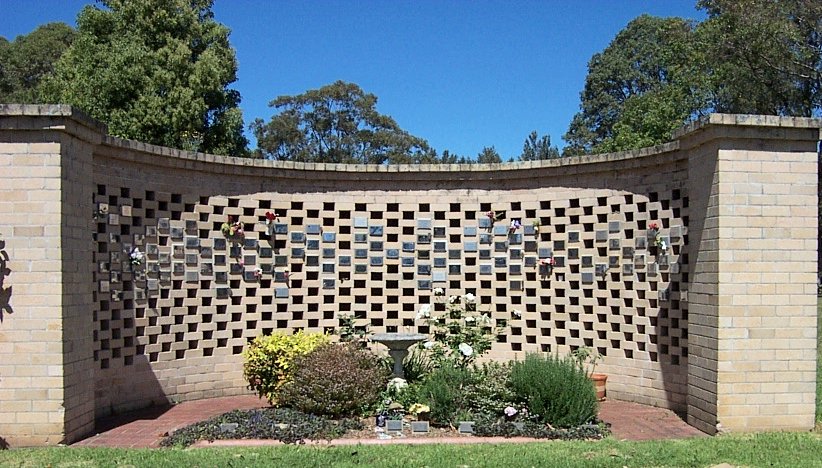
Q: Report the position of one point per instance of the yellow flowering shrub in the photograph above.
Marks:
(269, 360)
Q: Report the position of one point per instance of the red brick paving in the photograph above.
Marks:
(633, 421)
(141, 429)
(147, 428)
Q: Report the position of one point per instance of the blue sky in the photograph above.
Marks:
(461, 74)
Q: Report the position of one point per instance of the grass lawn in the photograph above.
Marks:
(770, 449)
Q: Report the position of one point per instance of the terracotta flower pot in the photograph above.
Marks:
(599, 385)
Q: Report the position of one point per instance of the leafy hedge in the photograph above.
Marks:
(335, 380)
(555, 390)
(269, 360)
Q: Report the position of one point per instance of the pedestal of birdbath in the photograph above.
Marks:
(398, 344)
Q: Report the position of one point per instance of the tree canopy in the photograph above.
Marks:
(749, 56)
(156, 71)
(337, 123)
(765, 56)
(537, 148)
(28, 58)
(488, 155)
(639, 88)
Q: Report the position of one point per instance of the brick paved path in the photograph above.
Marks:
(629, 421)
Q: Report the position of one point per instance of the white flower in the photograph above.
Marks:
(135, 256)
(439, 291)
(510, 411)
(425, 312)
(663, 246)
(469, 298)
(453, 299)
(466, 349)
(516, 313)
(470, 319)
(428, 344)
(397, 383)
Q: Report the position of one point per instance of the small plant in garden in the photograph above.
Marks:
(586, 358)
(443, 392)
(555, 390)
(335, 380)
(461, 333)
(348, 330)
(417, 364)
(269, 360)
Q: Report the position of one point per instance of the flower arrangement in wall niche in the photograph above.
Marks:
(655, 235)
(270, 219)
(494, 216)
(536, 225)
(461, 334)
(135, 256)
(515, 224)
(546, 266)
(233, 229)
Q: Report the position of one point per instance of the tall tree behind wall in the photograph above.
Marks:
(337, 123)
(764, 56)
(639, 88)
(26, 60)
(156, 71)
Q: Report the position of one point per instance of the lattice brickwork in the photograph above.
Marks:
(198, 294)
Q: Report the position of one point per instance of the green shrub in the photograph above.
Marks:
(416, 365)
(554, 389)
(269, 360)
(335, 380)
(489, 391)
(444, 391)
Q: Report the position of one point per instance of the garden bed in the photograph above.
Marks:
(293, 427)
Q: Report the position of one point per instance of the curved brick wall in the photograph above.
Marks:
(373, 241)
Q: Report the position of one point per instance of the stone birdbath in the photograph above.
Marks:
(398, 344)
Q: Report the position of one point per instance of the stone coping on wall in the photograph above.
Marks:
(501, 170)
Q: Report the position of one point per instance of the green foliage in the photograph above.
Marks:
(748, 57)
(789, 449)
(461, 333)
(536, 148)
(335, 380)
(487, 426)
(26, 60)
(349, 331)
(444, 392)
(764, 56)
(157, 71)
(417, 364)
(269, 360)
(645, 83)
(283, 424)
(554, 389)
(586, 358)
(489, 155)
(489, 391)
(337, 123)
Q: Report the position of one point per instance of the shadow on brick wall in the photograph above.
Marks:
(130, 388)
(5, 293)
